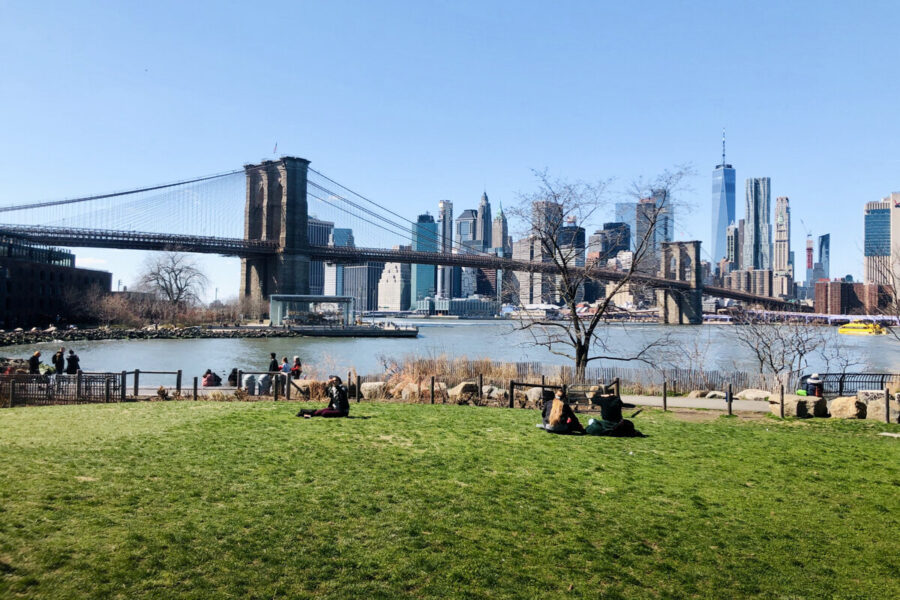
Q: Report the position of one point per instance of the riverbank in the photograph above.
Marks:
(19, 338)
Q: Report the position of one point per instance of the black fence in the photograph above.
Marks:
(848, 384)
(84, 388)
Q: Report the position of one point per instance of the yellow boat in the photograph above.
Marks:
(861, 328)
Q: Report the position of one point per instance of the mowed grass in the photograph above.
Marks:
(233, 500)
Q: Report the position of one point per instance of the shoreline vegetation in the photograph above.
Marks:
(19, 338)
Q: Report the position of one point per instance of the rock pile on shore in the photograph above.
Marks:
(15, 338)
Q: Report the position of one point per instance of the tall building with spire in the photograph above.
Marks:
(723, 198)
(483, 223)
(783, 274)
(500, 233)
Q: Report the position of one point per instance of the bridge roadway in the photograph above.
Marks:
(139, 240)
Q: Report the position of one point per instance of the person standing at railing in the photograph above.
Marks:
(59, 361)
(34, 363)
(72, 363)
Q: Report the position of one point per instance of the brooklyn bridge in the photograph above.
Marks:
(204, 215)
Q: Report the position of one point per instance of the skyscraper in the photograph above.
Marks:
(394, 286)
(825, 255)
(334, 272)
(319, 233)
(723, 195)
(758, 229)
(424, 239)
(626, 212)
(445, 246)
(483, 223)
(361, 282)
(877, 244)
(500, 233)
(733, 248)
(783, 276)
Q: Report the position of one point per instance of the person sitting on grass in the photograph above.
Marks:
(559, 416)
(338, 405)
(211, 379)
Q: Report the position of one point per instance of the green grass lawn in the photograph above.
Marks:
(239, 500)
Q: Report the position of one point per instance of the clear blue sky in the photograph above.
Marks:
(416, 101)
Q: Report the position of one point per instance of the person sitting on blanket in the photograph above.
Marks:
(338, 406)
(559, 416)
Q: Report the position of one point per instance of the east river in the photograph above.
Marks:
(714, 346)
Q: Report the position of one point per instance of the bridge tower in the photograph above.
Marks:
(681, 261)
(276, 210)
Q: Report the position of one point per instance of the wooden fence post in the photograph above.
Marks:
(618, 387)
(122, 387)
(543, 382)
(275, 384)
(887, 405)
(781, 400)
(512, 393)
(78, 385)
(12, 393)
(108, 388)
(240, 376)
(287, 386)
(480, 386)
(728, 399)
(195, 388)
(665, 407)
(432, 389)
(178, 382)
(137, 377)
(359, 391)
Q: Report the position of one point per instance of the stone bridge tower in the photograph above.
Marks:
(681, 261)
(276, 210)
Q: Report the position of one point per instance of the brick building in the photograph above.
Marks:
(847, 298)
(37, 284)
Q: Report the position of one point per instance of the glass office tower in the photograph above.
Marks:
(723, 182)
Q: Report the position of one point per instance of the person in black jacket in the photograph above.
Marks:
(338, 405)
(559, 416)
(34, 363)
(72, 363)
(59, 361)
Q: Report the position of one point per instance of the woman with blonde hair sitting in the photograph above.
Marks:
(559, 416)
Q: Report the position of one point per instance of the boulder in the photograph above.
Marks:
(486, 390)
(875, 410)
(534, 395)
(466, 388)
(697, 394)
(848, 407)
(410, 391)
(801, 407)
(753, 394)
(867, 396)
(716, 395)
(372, 390)
(498, 394)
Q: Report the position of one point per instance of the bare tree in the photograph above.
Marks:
(548, 214)
(780, 348)
(175, 277)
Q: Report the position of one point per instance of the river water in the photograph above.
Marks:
(713, 346)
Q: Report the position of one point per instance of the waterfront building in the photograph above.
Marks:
(394, 286)
(751, 281)
(849, 298)
(783, 276)
(534, 288)
(424, 239)
(319, 235)
(473, 307)
(361, 282)
(40, 286)
(723, 205)
(877, 242)
(757, 236)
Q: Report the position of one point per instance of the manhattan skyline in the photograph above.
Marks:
(421, 104)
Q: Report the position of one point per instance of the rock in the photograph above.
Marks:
(698, 394)
(867, 396)
(753, 394)
(499, 394)
(716, 395)
(372, 389)
(466, 388)
(409, 392)
(801, 407)
(875, 410)
(486, 390)
(848, 407)
(533, 395)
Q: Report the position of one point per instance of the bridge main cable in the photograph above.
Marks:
(152, 188)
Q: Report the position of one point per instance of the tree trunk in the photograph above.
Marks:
(581, 361)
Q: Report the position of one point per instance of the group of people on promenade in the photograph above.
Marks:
(62, 364)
